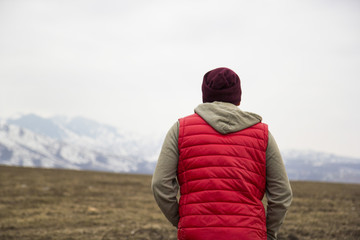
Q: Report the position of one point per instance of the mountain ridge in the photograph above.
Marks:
(80, 143)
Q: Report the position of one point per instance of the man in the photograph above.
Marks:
(224, 161)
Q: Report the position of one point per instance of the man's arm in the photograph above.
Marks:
(278, 189)
(164, 184)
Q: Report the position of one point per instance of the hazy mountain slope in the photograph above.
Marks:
(317, 166)
(85, 132)
(23, 147)
(80, 143)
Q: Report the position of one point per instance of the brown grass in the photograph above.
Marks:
(65, 204)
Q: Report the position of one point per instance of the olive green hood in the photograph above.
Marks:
(226, 117)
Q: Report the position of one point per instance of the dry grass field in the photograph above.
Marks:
(64, 204)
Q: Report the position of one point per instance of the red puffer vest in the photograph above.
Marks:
(222, 182)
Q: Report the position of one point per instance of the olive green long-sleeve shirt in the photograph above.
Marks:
(225, 118)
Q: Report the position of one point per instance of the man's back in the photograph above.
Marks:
(222, 181)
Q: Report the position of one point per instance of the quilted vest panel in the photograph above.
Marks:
(222, 181)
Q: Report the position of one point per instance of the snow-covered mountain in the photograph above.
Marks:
(80, 143)
(76, 143)
(85, 132)
(318, 166)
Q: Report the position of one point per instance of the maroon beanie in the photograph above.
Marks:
(221, 84)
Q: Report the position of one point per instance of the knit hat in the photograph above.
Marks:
(221, 84)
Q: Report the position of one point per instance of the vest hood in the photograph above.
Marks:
(226, 117)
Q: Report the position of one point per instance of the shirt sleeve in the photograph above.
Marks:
(278, 189)
(164, 182)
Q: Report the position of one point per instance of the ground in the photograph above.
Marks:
(67, 204)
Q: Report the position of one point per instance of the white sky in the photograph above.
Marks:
(138, 65)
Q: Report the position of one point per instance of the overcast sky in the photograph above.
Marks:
(138, 65)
